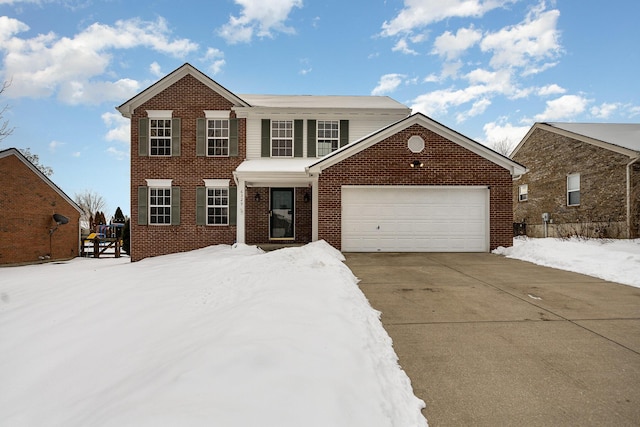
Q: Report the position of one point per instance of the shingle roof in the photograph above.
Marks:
(322, 101)
(626, 135)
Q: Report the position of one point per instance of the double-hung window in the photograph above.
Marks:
(160, 137)
(159, 205)
(218, 137)
(218, 206)
(328, 136)
(573, 189)
(282, 138)
(523, 193)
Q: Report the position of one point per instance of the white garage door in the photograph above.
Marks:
(415, 219)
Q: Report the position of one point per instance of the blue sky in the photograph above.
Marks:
(486, 68)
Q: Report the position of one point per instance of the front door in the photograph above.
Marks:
(281, 214)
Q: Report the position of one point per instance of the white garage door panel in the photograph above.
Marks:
(415, 219)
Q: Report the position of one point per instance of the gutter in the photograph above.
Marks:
(629, 195)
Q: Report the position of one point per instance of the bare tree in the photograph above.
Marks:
(90, 202)
(503, 147)
(33, 158)
(5, 130)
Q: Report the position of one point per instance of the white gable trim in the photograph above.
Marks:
(578, 137)
(129, 107)
(349, 150)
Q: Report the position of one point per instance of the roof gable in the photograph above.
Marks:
(27, 163)
(623, 138)
(420, 119)
(127, 108)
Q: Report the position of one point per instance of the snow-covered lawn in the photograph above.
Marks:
(612, 260)
(223, 336)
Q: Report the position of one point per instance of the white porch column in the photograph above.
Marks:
(240, 223)
(314, 210)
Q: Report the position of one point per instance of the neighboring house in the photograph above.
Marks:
(212, 167)
(31, 206)
(583, 177)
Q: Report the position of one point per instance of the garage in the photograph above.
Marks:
(415, 218)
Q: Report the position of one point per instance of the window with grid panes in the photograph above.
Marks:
(217, 206)
(217, 137)
(159, 205)
(160, 137)
(328, 138)
(282, 138)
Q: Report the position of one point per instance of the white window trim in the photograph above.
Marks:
(160, 114)
(150, 206)
(217, 114)
(207, 205)
(318, 138)
(159, 183)
(570, 190)
(525, 193)
(293, 135)
(207, 138)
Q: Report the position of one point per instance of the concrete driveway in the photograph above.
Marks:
(488, 340)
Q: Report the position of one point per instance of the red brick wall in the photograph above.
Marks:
(187, 98)
(27, 205)
(257, 216)
(387, 163)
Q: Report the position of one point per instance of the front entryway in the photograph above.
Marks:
(281, 214)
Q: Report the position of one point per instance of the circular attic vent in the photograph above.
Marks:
(415, 144)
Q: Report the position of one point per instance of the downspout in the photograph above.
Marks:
(629, 195)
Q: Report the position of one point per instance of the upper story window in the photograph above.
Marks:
(523, 193)
(218, 137)
(328, 136)
(573, 189)
(160, 137)
(282, 138)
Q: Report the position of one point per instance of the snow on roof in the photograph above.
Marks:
(625, 135)
(323, 101)
(276, 165)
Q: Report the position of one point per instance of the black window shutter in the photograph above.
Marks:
(344, 132)
(233, 137)
(201, 130)
(266, 138)
(143, 205)
(298, 125)
(143, 137)
(233, 205)
(311, 138)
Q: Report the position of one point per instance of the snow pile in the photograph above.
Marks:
(612, 260)
(225, 336)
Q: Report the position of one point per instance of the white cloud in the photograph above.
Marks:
(420, 13)
(388, 83)
(565, 107)
(260, 18)
(452, 45)
(552, 89)
(605, 110)
(155, 69)
(216, 57)
(54, 145)
(476, 109)
(534, 40)
(118, 154)
(73, 67)
(497, 133)
(120, 127)
(403, 46)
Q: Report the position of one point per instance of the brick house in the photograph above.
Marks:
(210, 167)
(584, 177)
(29, 233)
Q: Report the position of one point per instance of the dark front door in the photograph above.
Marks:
(281, 214)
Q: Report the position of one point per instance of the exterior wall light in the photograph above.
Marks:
(416, 164)
(256, 197)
